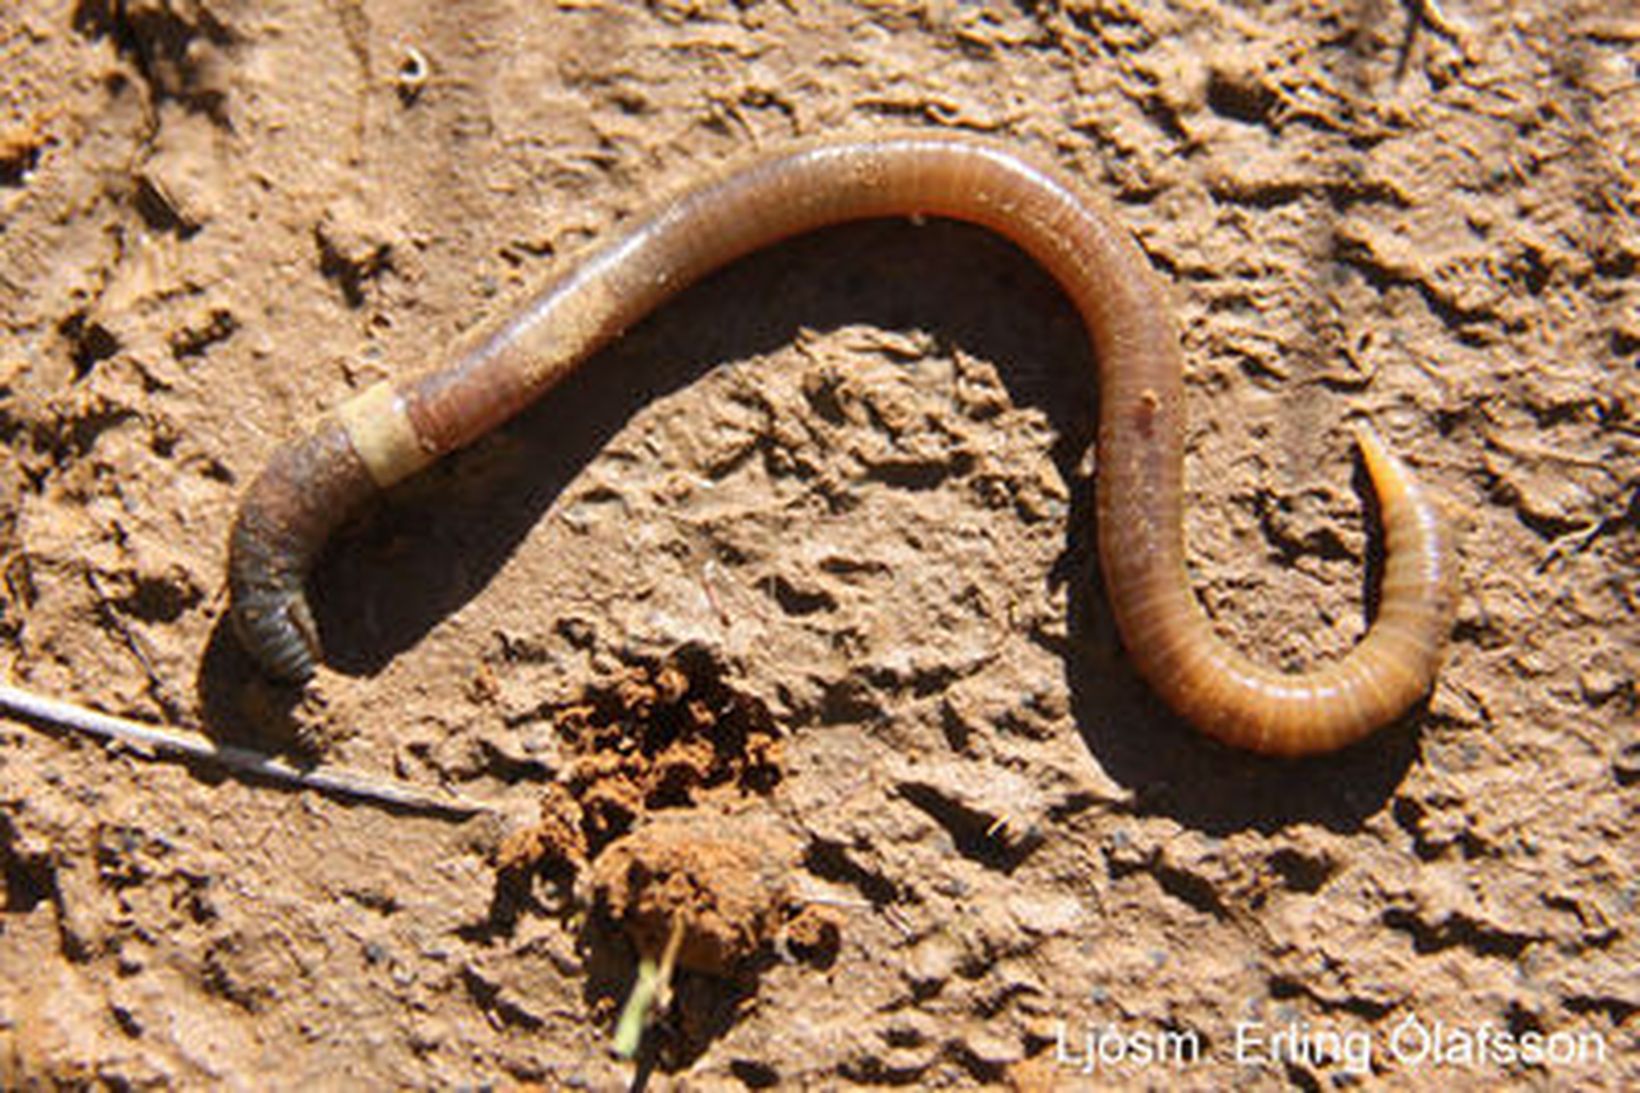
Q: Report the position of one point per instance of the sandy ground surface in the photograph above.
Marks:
(944, 836)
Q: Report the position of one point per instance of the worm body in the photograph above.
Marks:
(396, 428)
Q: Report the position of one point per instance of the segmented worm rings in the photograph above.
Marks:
(394, 429)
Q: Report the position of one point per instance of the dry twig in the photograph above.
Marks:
(337, 783)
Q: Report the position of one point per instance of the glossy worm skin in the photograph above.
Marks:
(394, 429)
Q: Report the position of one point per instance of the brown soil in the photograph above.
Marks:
(854, 470)
(665, 813)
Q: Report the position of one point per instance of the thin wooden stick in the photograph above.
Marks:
(333, 781)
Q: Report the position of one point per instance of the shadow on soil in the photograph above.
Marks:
(428, 547)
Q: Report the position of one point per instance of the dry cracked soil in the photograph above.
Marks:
(773, 641)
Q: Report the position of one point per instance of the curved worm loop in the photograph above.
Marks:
(393, 430)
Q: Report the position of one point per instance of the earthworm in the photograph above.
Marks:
(395, 428)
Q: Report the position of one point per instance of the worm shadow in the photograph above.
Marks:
(438, 541)
(431, 545)
(427, 547)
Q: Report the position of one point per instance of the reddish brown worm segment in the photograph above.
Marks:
(396, 428)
